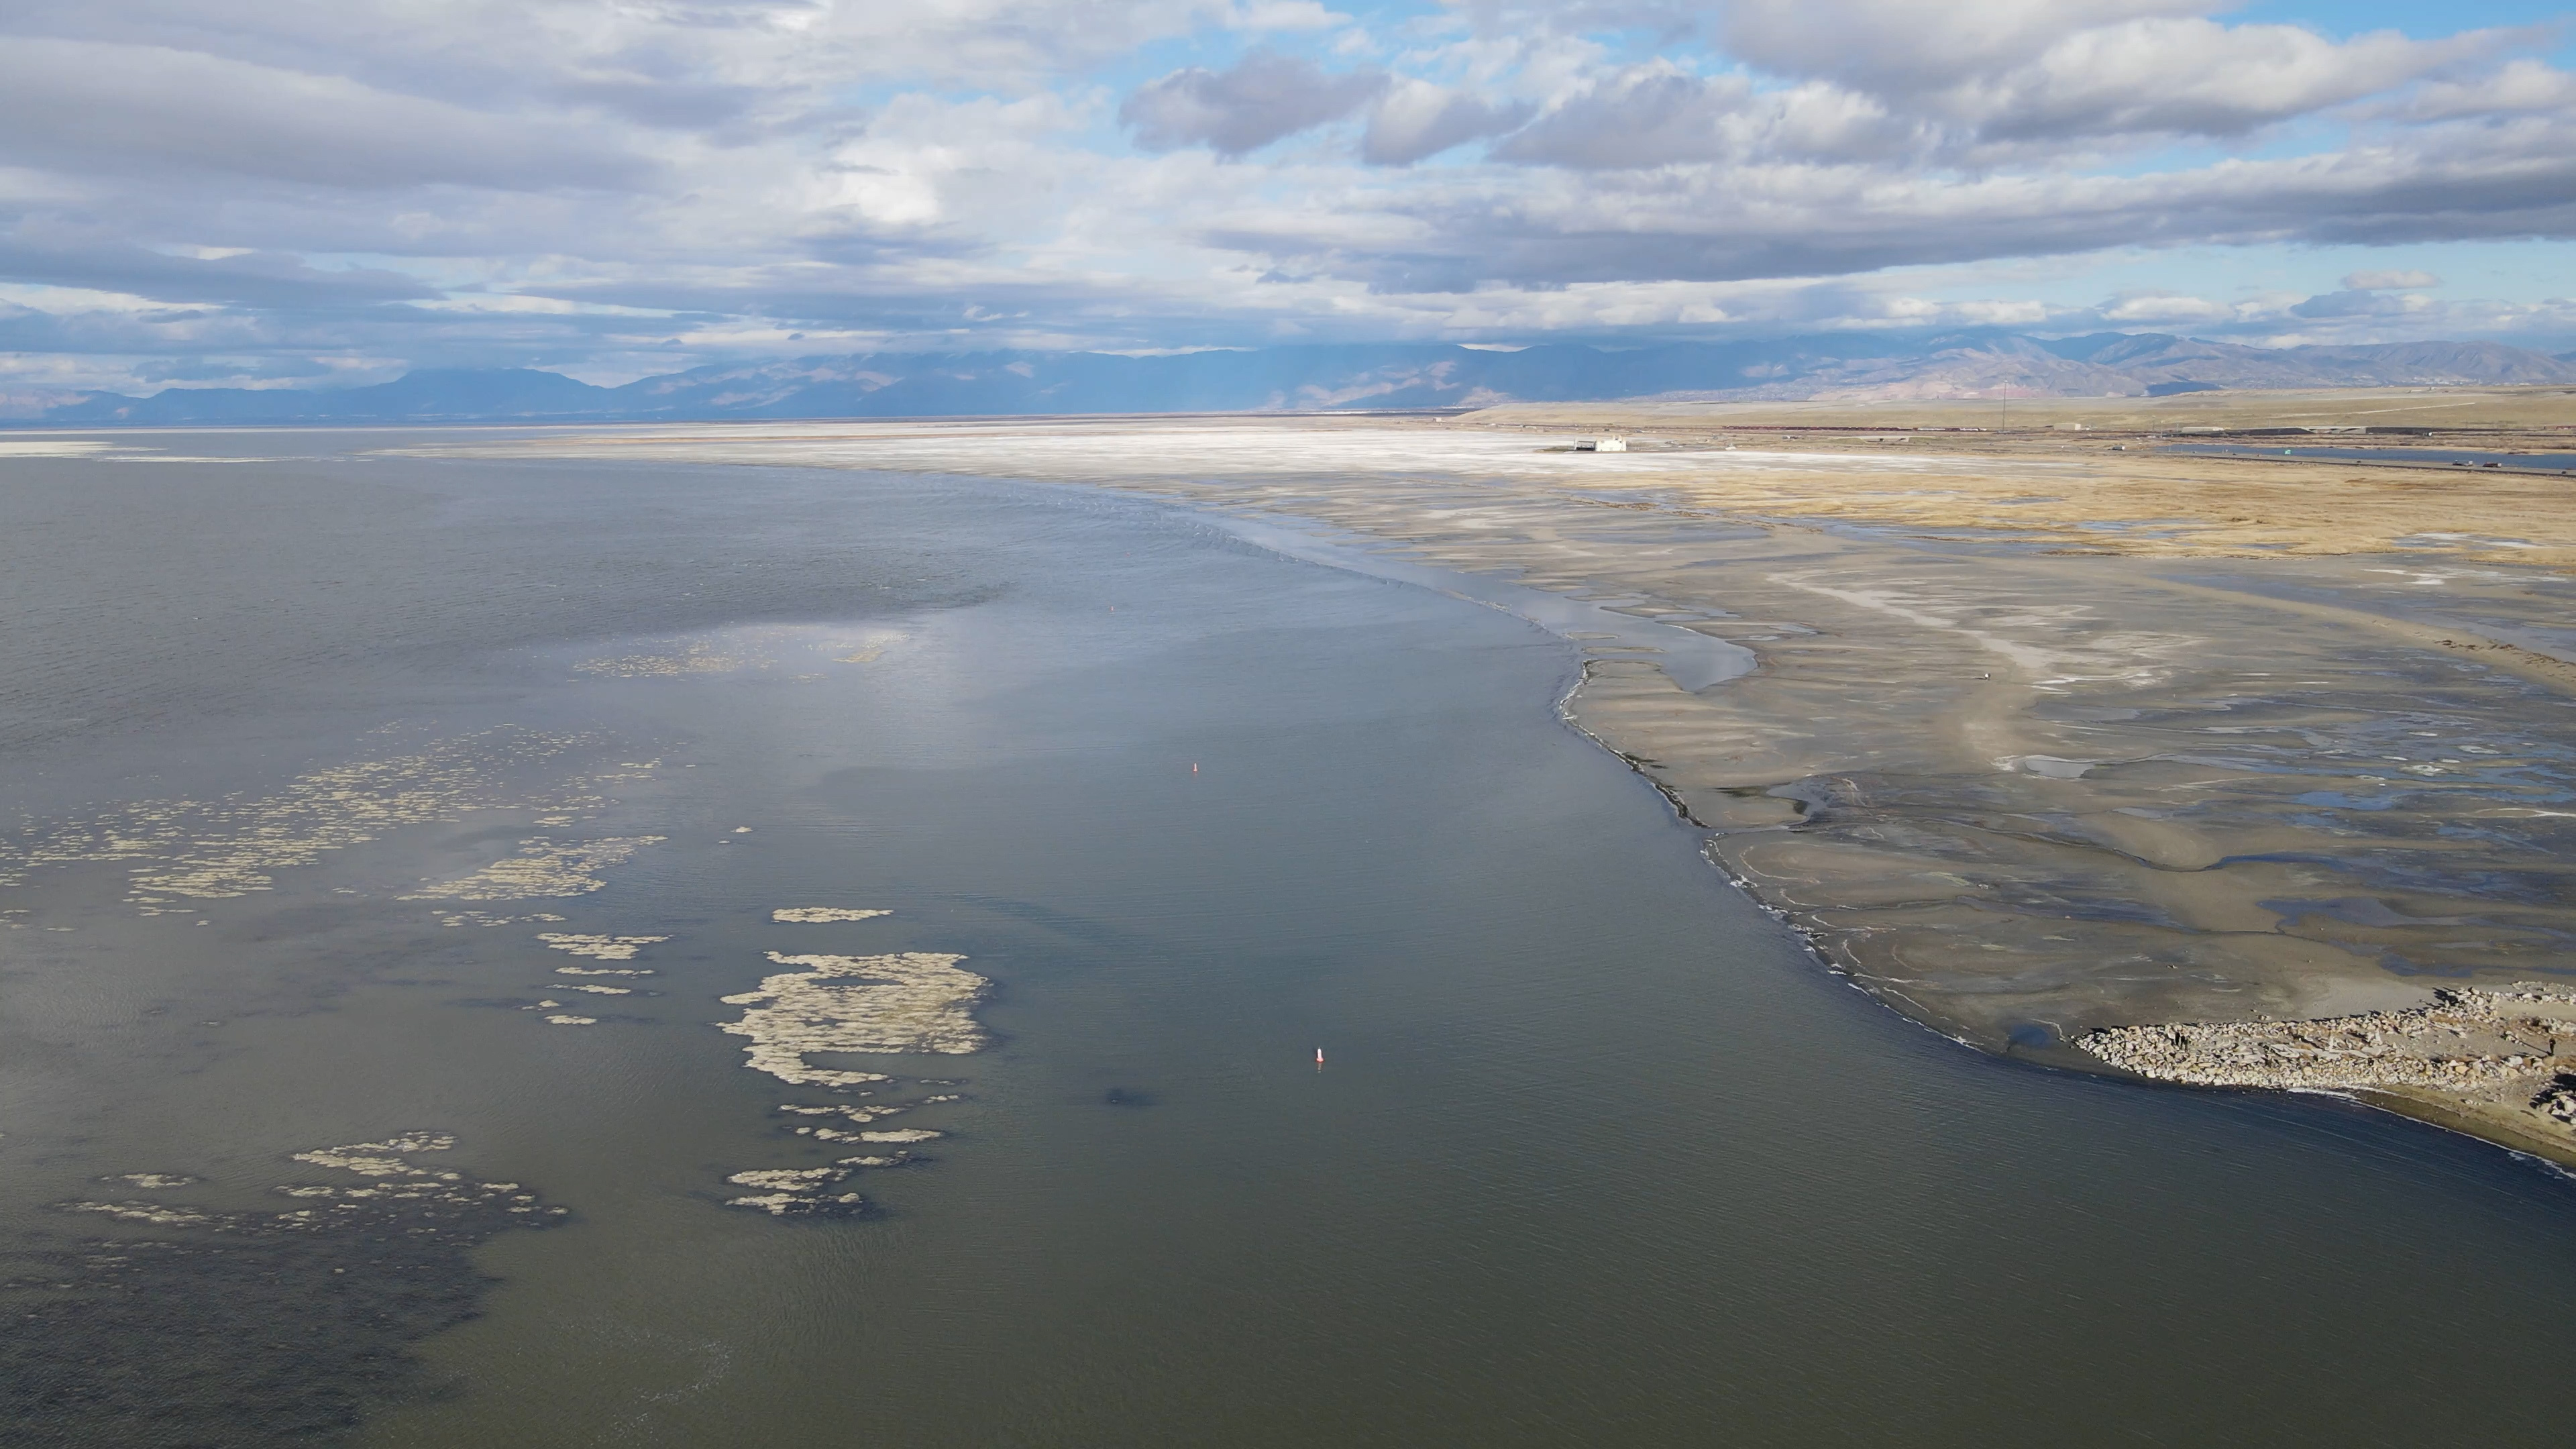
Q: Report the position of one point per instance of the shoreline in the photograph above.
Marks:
(2018, 793)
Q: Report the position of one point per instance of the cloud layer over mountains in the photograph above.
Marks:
(294, 190)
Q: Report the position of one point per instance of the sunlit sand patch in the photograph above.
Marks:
(695, 657)
(598, 948)
(815, 915)
(541, 868)
(869, 649)
(910, 1002)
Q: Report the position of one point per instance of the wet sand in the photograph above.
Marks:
(2049, 733)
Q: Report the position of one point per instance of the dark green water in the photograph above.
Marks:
(1599, 1156)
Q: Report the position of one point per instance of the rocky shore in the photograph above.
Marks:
(2501, 1058)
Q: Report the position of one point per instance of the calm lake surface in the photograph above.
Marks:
(1598, 1155)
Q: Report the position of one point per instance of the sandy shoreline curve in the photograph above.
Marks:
(2050, 733)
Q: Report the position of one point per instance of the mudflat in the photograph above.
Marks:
(2055, 735)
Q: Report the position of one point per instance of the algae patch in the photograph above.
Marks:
(199, 850)
(145, 1321)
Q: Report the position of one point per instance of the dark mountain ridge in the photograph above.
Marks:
(1985, 363)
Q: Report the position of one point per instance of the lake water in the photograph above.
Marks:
(2450, 457)
(1598, 1154)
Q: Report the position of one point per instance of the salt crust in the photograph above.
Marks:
(914, 1001)
(815, 915)
(541, 868)
(599, 948)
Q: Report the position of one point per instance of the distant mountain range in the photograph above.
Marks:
(1364, 376)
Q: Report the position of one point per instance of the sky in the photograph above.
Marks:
(332, 192)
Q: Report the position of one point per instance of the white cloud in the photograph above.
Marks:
(2166, 308)
(2402, 280)
(350, 183)
(2195, 76)
(152, 109)
(1262, 98)
(1415, 119)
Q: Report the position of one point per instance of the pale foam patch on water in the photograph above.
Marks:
(796, 649)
